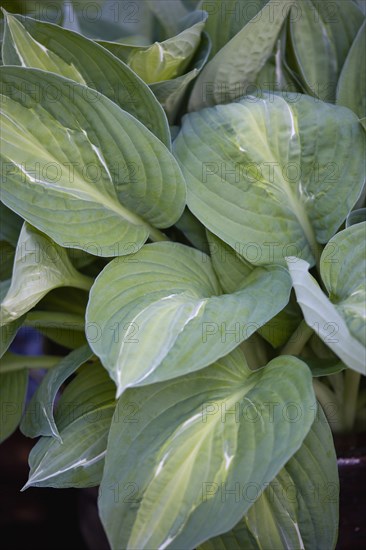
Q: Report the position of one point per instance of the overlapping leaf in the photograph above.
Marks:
(269, 175)
(13, 389)
(321, 35)
(39, 419)
(162, 60)
(299, 509)
(163, 314)
(70, 161)
(232, 269)
(83, 418)
(236, 66)
(198, 437)
(351, 90)
(39, 266)
(341, 318)
(32, 43)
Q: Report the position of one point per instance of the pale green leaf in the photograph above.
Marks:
(343, 268)
(339, 325)
(171, 93)
(32, 43)
(164, 314)
(231, 270)
(351, 90)
(271, 176)
(83, 418)
(299, 509)
(236, 66)
(38, 418)
(39, 266)
(70, 161)
(169, 59)
(321, 35)
(197, 438)
(228, 17)
(13, 388)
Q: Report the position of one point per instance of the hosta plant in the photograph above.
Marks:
(182, 203)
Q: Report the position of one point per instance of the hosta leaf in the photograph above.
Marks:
(231, 270)
(228, 17)
(193, 230)
(39, 266)
(32, 43)
(171, 93)
(343, 267)
(71, 161)
(9, 331)
(169, 13)
(13, 390)
(39, 419)
(351, 90)
(321, 35)
(299, 509)
(10, 225)
(356, 216)
(162, 60)
(83, 418)
(164, 314)
(194, 442)
(269, 175)
(67, 330)
(236, 66)
(339, 319)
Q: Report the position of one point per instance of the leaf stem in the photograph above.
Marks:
(298, 340)
(350, 397)
(83, 282)
(329, 403)
(12, 362)
(54, 319)
(157, 236)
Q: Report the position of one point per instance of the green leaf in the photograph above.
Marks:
(193, 230)
(339, 319)
(66, 329)
(321, 35)
(236, 66)
(195, 441)
(10, 225)
(39, 419)
(32, 43)
(356, 216)
(39, 266)
(231, 270)
(171, 93)
(228, 17)
(323, 367)
(164, 314)
(13, 389)
(269, 176)
(351, 90)
(72, 160)
(343, 267)
(83, 418)
(162, 60)
(299, 509)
